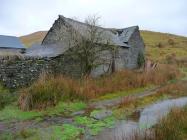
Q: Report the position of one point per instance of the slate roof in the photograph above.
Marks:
(10, 42)
(41, 51)
(118, 37)
(126, 33)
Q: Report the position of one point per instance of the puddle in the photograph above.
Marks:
(150, 115)
(140, 121)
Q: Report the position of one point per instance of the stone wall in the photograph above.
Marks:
(17, 72)
(20, 72)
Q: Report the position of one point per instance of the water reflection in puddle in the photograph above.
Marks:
(140, 121)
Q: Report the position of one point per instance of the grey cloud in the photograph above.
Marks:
(19, 17)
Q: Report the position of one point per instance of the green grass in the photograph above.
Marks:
(6, 136)
(5, 97)
(65, 131)
(14, 113)
(65, 108)
(54, 132)
(95, 126)
(71, 132)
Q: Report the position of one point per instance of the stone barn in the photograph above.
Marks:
(54, 54)
(128, 42)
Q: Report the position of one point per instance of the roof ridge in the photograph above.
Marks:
(77, 21)
(118, 36)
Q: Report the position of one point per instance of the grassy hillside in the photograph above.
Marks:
(161, 45)
(158, 45)
(33, 38)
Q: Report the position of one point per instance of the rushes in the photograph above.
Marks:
(49, 90)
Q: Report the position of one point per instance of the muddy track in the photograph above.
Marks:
(114, 102)
(15, 126)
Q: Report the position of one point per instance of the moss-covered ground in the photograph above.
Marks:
(12, 112)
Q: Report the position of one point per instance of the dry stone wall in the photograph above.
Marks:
(18, 72)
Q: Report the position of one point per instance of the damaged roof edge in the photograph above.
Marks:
(120, 37)
(111, 29)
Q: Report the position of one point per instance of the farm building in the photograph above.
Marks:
(54, 54)
(128, 42)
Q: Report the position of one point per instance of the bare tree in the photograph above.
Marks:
(91, 46)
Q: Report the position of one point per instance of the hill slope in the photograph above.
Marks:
(158, 45)
(161, 45)
(33, 38)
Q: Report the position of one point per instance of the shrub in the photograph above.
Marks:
(47, 91)
(175, 89)
(141, 60)
(171, 59)
(160, 45)
(182, 62)
(171, 42)
(171, 127)
(5, 97)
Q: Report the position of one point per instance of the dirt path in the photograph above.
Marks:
(114, 102)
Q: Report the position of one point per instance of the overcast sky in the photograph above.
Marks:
(20, 17)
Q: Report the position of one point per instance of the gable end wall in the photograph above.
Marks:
(136, 46)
